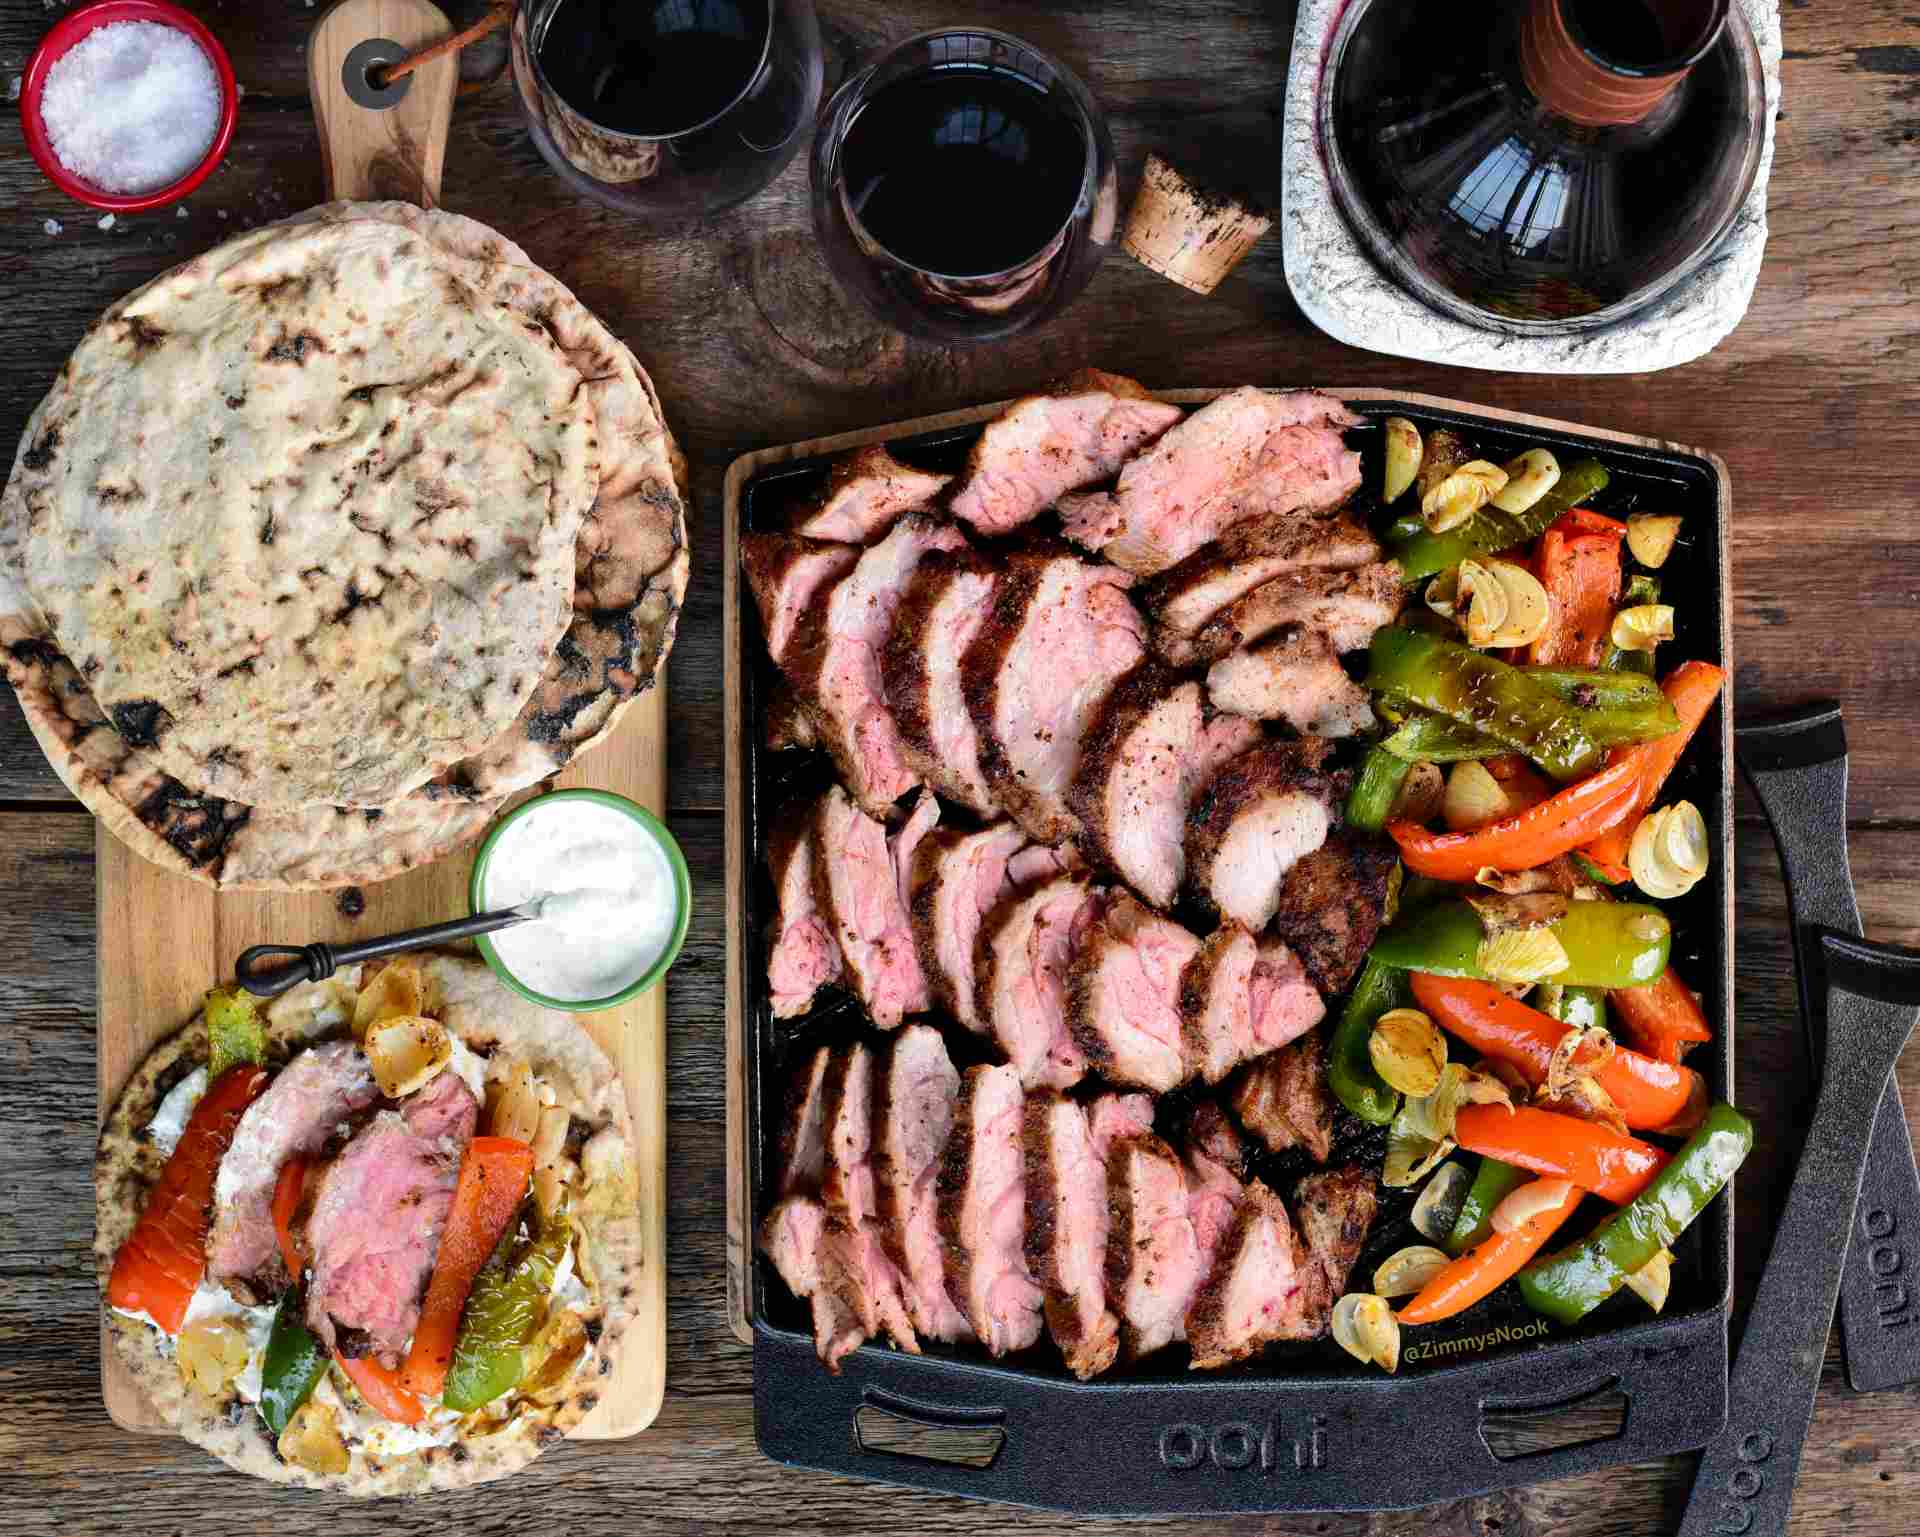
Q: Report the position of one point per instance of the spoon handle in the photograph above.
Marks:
(1744, 1484)
(1797, 765)
(269, 970)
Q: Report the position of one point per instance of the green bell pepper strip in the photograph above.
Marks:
(1487, 694)
(1350, 1070)
(292, 1364)
(503, 1313)
(1491, 1186)
(1582, 1007)
(1608, 944)
(1641, 589)
(1616, 707)
(234, 1031)
(1424, 737)
(1570, 1284)
(1427, 554)
(1375, 788)
(1592, 871)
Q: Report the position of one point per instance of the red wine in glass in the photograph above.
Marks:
(963, 186)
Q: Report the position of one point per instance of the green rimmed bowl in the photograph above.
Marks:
(682, 891)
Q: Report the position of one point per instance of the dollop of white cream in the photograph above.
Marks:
(169, 1122)
(212, 1300)
(611, 904)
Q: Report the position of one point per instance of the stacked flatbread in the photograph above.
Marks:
(329, 540)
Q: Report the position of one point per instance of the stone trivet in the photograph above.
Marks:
(1345, 295)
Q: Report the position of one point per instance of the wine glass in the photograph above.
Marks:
(670, 109)
(963, 185)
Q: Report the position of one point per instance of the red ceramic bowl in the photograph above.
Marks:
(75, 25)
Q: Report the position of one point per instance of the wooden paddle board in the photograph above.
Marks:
(164, 940)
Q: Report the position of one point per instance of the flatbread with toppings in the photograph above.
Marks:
(378, 1237)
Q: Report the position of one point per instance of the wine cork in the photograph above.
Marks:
(1187, 232)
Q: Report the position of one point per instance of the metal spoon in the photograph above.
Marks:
(1745, 1481)
(258, 973)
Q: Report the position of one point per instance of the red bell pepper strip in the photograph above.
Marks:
(1581, 573)
(1614, 1167)
(1647, 1092)
(159, 1267)
(380, 1386)
(1483, 1269)
(1576, 816)
(1664, 1018)
(1691, 689)
(1584, 520)
(493, 1183)
(287, 1191)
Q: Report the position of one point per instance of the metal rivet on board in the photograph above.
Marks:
(357, 73)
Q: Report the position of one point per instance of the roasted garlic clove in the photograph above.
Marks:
(1404, 453)
(1529, 478)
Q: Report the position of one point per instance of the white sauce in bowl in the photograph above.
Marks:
(615, 905)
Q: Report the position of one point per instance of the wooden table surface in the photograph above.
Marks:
(1810, 402)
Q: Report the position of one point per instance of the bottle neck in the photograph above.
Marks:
(1575, 81)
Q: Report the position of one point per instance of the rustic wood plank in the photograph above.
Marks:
(698, 1466)
(751, 345)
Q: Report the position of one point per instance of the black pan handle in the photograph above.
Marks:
(1797, 765)
(267, 971)
(1744, 1484)
(1216, 1443)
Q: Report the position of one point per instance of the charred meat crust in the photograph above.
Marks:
(983, 664)
(1336, 1209)
(1331, 907)
(1283, 1099)
(1240, 784)
(904, 673)
(1108, 736)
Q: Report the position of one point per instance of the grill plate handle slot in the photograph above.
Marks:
(889, 1425)
(1514, 1432)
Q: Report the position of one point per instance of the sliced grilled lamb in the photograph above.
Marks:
(803, 954)
(1061, 632)
(787, 574)
(1123, 992)
(1042, 446)
(803, 1131)
(795, 1236)
(849, 1190)
(1113, 1116)
(982, 1205)
(297, 1114)
(945, 606)
(1285, 1005)
(865, 491)
(788, 725)
(1149, 750)
(915, 1087)
(1296, 677)
(376, 1220)
(1067, 1231)
(1335, 1210)
(1248, 452)
(1214, 1191)
(1284, 1101)
(1245, 556)
(1344, 606)
(833, 661)
(1023, 955)
(1331, 906)
(1260, 814)
(1211, 1132)
(1255, 1291)
(1153, 1255)
(1216, 1003)
(957, 878)
(857, 886)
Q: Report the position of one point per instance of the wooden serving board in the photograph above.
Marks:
(744, 949)
(164, 940)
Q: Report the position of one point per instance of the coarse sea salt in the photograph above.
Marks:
(131, 107)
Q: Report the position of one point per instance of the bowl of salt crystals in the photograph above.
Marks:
(128, 104)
